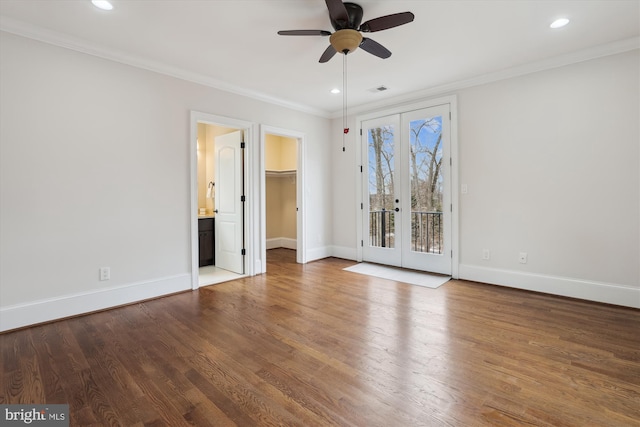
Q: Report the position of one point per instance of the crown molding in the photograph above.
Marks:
(58, 39)
(595, 52)
(55, 38)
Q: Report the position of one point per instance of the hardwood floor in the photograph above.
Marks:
(312, 345)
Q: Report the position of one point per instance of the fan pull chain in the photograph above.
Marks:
(344, 101)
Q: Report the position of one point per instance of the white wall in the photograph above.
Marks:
(552, 161)
(345, 197)
(94, 172)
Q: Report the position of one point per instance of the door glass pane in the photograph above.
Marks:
(381, 146)
(426, 180)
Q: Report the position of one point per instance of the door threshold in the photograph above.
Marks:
(212, 275)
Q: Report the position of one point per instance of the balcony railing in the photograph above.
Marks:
(381, 228)
(426, 230)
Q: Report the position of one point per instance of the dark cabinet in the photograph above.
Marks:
(206, 237)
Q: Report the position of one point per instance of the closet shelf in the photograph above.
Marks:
(288, 172)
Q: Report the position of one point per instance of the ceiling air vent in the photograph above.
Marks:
(377, 89)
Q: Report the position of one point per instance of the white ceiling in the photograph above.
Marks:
(233, 44)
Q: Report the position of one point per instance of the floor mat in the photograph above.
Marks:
(400, 275)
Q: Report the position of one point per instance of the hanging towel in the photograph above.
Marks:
(210, 191)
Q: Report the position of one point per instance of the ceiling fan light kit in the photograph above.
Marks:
(346, 20)
(345, 41)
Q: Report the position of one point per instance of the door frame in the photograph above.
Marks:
(301, 229)
(399, 109)
(249, 131)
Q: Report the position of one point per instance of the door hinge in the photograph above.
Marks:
(242, 145)
(452, 253)
(361, 206)
(360, 168)
(361, 243)
(449, 115)
(243, 252)
(242, 199)
(450, 161)
(360, 132)
(451, 206)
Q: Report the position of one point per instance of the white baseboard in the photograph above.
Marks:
(282, 242)
(344, 252)
(31, 313)
(318, 253)
(21, 315)
(565, 286)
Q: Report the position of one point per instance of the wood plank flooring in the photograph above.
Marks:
(312, 345)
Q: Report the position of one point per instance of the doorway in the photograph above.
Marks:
(282, 214)
(218, 243)
(407, 190)
(281, 169)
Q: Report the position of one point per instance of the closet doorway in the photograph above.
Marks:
(283, 184)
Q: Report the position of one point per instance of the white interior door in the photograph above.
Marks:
(407, 190)
(229, 217)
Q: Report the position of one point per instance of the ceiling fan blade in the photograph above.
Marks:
(328, 54)
(337, 11)
(386, 22)
(304, 33)
(374, 48)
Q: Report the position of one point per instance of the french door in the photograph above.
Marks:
(407, 190)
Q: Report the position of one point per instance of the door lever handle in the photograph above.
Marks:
(397, 209)
(215, 211)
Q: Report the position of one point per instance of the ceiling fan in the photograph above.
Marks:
(346, 19)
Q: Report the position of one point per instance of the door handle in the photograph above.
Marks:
(397, 209)
(215, 211)
(397, 200)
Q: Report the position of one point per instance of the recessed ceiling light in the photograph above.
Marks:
(102, 4)
(336, 90)
(559, 23)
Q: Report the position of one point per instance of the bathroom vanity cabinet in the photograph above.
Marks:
(206, 238)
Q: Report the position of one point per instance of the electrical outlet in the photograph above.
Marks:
(105, 273)
(486, 254)
(522, 257)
